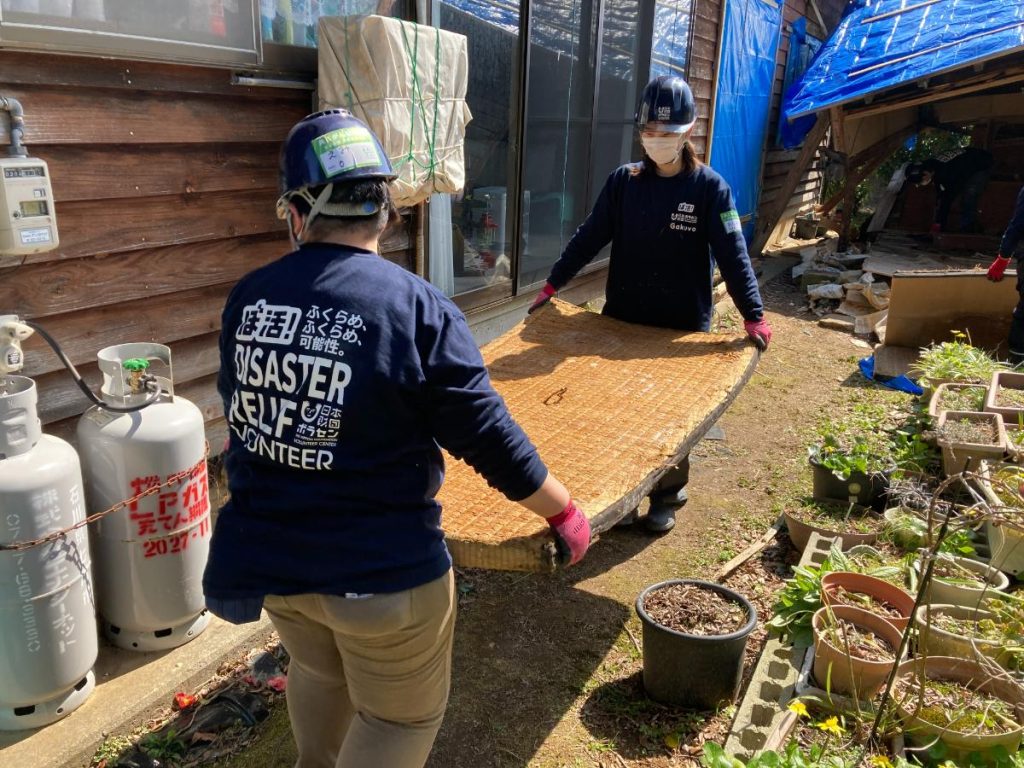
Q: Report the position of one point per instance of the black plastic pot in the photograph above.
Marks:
(693, 671)
(868, 490)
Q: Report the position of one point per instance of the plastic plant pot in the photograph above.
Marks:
(868, 490)
(933, 640)
(1002, 380)
(693, 671)
(837, 670)
(968, 672)
(800, 533)
(935, 401)
(861, 583)
(946, 593)
(961, 456)
(1006, 543)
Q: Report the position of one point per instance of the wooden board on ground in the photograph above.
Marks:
(894, 361)
(609, 405)
(926, 307)
(888, 264)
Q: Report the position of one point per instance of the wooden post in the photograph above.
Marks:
(849, 189)
(796, 172)
(864, 163)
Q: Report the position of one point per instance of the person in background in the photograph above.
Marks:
(1008, 250)
(669, 219)
(343, 375)
(962, 173)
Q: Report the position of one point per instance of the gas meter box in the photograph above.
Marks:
(29, 223)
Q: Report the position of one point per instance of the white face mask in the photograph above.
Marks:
(662, 149)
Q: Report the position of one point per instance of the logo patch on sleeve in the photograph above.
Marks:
(731, 221)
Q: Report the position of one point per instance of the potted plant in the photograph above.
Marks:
(957, 396)
(954, 361)
(961, 632)
(966, 438)
(854, 650)
(855, 468)
(868, 593)
(908, 530)
(961, 581)
(1003, 489)
(960, 703)
(694, 637)
(1006, 395)
(851, 523)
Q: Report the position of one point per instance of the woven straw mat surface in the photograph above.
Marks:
(606, 403)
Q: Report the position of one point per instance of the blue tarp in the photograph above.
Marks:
(888, 43)
(750, 40)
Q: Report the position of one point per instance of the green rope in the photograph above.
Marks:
(429, 132)
(348, 66)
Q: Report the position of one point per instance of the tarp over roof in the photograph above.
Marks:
(892, 42)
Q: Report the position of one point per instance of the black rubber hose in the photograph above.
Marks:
(154, 396)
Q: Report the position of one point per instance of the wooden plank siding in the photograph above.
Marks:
(164, 180)
(778, 161)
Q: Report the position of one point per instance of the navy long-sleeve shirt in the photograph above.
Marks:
(666, 235)
(1014, 230)
(341, 375)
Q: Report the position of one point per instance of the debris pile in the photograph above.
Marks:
(850, 290)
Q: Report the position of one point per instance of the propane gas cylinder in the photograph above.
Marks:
(149, 554)
(48, 640)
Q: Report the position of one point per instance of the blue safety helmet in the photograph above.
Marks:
(666, 105)
(326, 148)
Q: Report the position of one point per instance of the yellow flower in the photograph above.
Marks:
(880, 761)
(831, 726)
(799, 707)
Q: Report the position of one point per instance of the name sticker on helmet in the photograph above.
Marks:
(345, 149)
(731, 221)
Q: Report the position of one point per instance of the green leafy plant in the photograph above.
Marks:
(800, 597)
(168, 746)
(956, 360)
(909, 532)
(791, 756)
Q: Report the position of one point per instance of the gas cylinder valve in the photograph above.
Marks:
(12, 333)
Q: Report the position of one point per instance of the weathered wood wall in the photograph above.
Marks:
(822, 16)
(164, 180)
(703, 63)
(700, 73)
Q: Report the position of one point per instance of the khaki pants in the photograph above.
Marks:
(368, 680)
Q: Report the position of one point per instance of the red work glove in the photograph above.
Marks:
(759, 332)
(935, 228)
(572, 533)
(542, 298)
(997, 268)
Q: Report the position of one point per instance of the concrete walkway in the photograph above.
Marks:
(130, 687)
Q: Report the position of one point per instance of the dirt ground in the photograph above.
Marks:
(547, 669)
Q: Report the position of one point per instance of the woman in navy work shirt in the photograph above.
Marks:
(669, 219)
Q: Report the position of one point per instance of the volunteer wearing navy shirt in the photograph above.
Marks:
(342, 376)
(1012, 238)
(669, 219)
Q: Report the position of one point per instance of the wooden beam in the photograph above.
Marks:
(796, 171)
(878, 109)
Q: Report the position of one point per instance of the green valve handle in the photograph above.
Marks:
(135, 364)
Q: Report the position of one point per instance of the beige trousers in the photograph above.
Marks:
(369, 677)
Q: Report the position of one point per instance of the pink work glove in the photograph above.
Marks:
(572, 533)
(542, 298)
(997, 268)
(759, 332)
